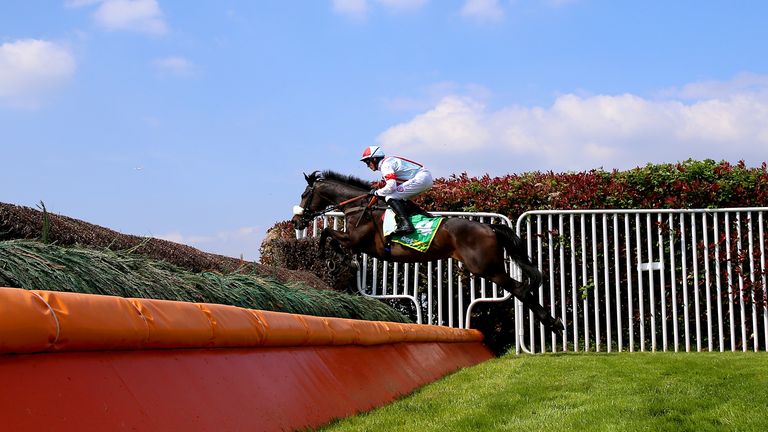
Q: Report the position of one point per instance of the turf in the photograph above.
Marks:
(587, 392)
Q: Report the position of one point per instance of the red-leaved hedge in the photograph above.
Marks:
(689, 184)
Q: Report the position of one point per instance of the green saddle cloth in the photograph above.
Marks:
(420, 239)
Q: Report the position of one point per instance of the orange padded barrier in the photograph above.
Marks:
(283, 329)
(94, 363)
(27, 324)
(175, 324)
(233, 326)
(248, 389)
(344, 331)
(318, 330)
(37, 321)
(96, 322)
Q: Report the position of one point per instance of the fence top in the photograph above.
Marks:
(605, 212)
(450, 214)
(588, 211)
(642, 211)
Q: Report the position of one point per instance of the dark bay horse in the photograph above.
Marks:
(479, 246)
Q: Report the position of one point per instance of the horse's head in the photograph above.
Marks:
(326, 189)
(311, 201)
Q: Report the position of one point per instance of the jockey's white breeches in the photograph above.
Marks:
(410, 188)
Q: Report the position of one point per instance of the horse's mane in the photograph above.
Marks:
(346, 179)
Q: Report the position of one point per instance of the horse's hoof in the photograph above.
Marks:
(556, 326)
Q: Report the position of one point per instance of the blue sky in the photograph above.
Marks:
(194, 120)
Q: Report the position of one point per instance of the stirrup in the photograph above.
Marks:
(403, 230)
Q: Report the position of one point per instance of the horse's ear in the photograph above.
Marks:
(306, 177)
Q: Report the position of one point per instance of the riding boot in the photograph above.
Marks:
(404, 225)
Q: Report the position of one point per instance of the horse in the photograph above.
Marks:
(479, 246)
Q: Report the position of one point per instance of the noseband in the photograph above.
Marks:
(307, 217)
(302, 212)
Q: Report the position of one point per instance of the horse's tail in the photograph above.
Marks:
(517, 251)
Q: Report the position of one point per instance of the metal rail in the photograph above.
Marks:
(658, 280)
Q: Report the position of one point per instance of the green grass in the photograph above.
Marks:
(587, 392)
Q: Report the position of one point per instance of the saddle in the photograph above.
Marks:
(411, 207)
(420, 240)
(414, 209)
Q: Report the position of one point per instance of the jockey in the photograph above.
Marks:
(404, 180)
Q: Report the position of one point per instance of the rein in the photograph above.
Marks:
(331, 208)
(343, 203)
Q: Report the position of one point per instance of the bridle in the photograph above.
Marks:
(306, 217)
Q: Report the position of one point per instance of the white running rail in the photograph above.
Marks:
(650, 280)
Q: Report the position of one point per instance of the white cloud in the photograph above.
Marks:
(455, 125)
(403, 4)
(174, 65)
(482, 10)
(560, 3)
(742, 83)
(30, 69)
(433, 93)
(80, 3)
(358, 9)
(585, 132)
(142, 16)
(352, 8)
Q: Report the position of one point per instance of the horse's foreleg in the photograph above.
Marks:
(340, 239)
(321, 243)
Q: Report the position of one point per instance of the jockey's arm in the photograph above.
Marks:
(388, 167)
(389, 187)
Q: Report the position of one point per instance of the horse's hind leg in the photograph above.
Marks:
(525, 294)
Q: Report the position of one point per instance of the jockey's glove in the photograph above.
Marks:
(373, 192)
